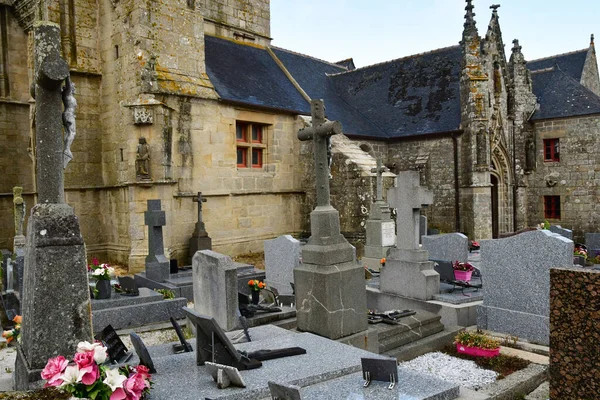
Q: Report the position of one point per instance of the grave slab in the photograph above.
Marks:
(447, 247)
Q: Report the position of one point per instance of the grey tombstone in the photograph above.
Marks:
(380, 228)
(330, 284)
(562, 231)
(215, 287)
(407, 271)
(157, 264)
(517, 281)
(592, 242)
(142, 352)
(200, 239)
(282, 255)
(56, 311)
(422, 227)
(447, 247)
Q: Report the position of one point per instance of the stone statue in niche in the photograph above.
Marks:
(19, 206)
(142, 160)
(481, 148)
(68, 117)
(530, 155)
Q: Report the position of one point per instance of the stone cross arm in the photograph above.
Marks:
(328, 128)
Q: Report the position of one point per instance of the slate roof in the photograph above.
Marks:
(416, 95)
(249, 75)
(560, 95)
(570, 63)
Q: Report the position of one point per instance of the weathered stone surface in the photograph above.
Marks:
(215, 287)
(562, 231)
(592, 242)
(574, 333)
(448, 247)
(282, 255)
(517, 282)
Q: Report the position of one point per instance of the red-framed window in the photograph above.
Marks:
(250, 144)
(551, 150)
(552, 207)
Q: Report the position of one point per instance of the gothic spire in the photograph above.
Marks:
(469, 25)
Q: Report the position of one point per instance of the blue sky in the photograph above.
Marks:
(381, 30)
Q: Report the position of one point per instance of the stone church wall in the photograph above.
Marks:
(575, 178)
(252, 16)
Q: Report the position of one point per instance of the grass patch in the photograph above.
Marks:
(502, 364)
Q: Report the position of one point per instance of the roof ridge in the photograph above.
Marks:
(395, 59)
(542, 70)
(311, 57)
(559, 55)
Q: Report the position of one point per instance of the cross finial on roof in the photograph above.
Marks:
(516, 48)
(469, 16)
(592, 40)
(495, 7)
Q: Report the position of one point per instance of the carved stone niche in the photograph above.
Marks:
(143, 115)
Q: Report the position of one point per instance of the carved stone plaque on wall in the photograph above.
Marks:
(143, 115)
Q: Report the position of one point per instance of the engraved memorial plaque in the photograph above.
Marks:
(388, 234)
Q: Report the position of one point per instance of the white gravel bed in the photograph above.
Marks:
(455, 370)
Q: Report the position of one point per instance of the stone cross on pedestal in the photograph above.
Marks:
(379, 171)
(407, 197)
(200, 239)
(157, 265)
(319, 132)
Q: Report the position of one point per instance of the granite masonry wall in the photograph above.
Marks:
(575, 178)
(574, 333)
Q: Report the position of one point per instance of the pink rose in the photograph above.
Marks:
(118, 394)
(144, 371)
(85, 362)
(53, 371)
(134, 386)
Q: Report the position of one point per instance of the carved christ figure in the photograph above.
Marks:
(68, 117)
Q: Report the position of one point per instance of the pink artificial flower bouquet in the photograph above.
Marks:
(86, 376)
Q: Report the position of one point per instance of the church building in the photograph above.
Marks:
(185, 96)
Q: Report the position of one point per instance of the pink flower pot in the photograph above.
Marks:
(476, 351)
(462, 275)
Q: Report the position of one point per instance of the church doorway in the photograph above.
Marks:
(495, 226)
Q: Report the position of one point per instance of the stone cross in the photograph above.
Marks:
(157, 265)
(319, 132)
(199, 199)
(407, 197)
(19, 210)
(379, 170)
(50, 71)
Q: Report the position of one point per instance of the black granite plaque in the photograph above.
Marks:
(142, 352)
(117, 352)
(184, 346)
(380, 369)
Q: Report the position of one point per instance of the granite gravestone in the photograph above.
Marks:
(142, 352)
(407, 271)
(329, 284)
(282, 255)
(447, 247)
(157, 265)
(562, 231)
(380, 228)
(517, 281)
(200, 239)
(56, 311)
(592, 242)
(215, 287)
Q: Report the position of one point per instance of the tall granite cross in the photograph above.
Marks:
(319, 132)
(199, 225)
(157, 265)
(200, 239)
(379, 170)
(407, 197)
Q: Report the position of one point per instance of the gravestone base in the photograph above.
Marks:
(331, 300)
(326, 245)
(55, 250)
(532, 327)
(408, 273)
(200, 242)
(158, 269)
(25, 378)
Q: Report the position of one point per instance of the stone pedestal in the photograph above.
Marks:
(56, 298)
(380, 235)
(199, 243)
(409, 273)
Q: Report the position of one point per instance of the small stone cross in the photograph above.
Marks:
(199, 199)
(407, 197)
(155, 219)
(319, 132)
(379, 170)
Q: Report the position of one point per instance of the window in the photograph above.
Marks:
(551, 150)
(250, 144)
(552, 207)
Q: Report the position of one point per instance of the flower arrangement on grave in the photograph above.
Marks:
(99, 271)
(580, 251)
(256, 285)
(462, 266)
(544, 225)
(14, 333)
(87, 377)
(477, 344)
(382, 262)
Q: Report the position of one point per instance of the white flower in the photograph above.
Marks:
(72, 375)
(84, 347)
(99, 354)
(111, 271)
(98, 272)
(114, 379)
